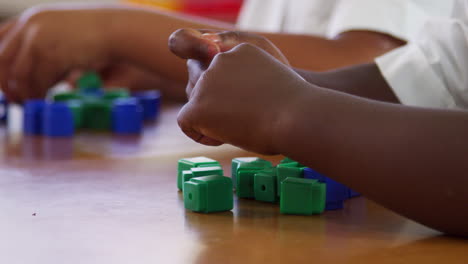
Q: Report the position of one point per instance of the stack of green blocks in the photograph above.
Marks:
(206, 190)
(204, 187)
(91, 111)
(287, 169)
(243, 173)
(256, 178)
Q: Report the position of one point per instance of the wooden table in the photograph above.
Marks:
(103, 199)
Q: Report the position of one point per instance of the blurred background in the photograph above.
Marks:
(226, 10)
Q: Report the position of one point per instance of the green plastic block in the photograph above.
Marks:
(188, 163)
(252, 162)
(285, 170)
(302, 196)
(113, 94)
(76, 107)
(97, 115)
(66, 96)
(265, 186)
(89, 81)
(208, 194)
(245, 177)
(287, 160)
(202, 171)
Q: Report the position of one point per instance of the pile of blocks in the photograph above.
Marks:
(299, 190)
(92, 108)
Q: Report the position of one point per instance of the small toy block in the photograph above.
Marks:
(285, 170)
(334, 205)
(201, 171)
(97, 114)
(58, 120)
(77, 110)
(188, 163)
(89, 81)
(253, 162)
(186, 176)
(112, 94)
(208, 194)
(3, 109)
(151, 102)
(127, 116)
(245, 177)
(92, 94)
(33, 113)
(336, 192)
(313, 174)
(66, 96)
(265, 185)
(287, 160)
(352, 193)
(302, 196)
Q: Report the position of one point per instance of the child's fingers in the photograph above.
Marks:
(6, 27)
(195, 70)
(227, 40)
(188, 44)
(187, 120)
(8, 50)
(19, 79)
(47, 74)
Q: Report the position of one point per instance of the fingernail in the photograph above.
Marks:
(213, 37)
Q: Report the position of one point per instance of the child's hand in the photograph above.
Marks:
(42, 45)
(242, 99)
(200, 46)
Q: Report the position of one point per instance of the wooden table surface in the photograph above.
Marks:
(99, 198)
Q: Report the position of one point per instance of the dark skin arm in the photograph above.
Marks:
(363, 80)
(36, 51)
(348, 48)
(410, 160)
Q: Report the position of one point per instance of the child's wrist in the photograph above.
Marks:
(290, 116)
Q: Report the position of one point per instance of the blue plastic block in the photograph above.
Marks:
(58, 120)
(336, 192)
(313, 175)
(127, 116)
(3, 109)
(151, 102)
(353, 193)
(33, 112)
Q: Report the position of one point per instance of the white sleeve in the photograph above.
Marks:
(399, 18)
(260, 15)
(433, 70)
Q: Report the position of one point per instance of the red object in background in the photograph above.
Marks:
(225, 10)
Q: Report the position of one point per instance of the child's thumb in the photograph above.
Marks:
(189, 44)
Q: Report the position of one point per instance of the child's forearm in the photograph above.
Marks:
(321, 54)
(363, 80)
(141, 35)
(411, 160)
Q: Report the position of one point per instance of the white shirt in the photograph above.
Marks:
(328, 18)
(432, 71)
